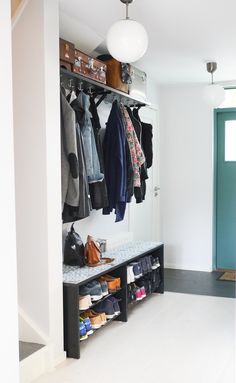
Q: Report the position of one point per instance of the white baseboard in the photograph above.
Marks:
(169, 265)
(61, 358)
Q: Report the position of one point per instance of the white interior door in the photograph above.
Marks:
(144, 218)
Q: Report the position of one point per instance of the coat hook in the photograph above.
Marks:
(70, 83)
(80, 86)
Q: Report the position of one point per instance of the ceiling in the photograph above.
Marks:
(183, 34)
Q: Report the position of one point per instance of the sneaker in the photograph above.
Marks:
(106, 307)
(149, 263)
(131, 294)
(155, 263)
(144, 265)
(143, 292)
(155, 279)
(85, 302)
(141, 285)
(112, 282)
(138, 294)
(93, 289)
(94, 314)
(136, 269)
(103, 318)
(116, 305)
(82, 331)
(104, 287)
(95, 318)
(148, 286)
(88, 325)
(130, 274)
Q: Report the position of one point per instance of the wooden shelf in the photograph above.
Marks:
(70, 79)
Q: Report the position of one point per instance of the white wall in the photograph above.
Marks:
(37, 163)
(103, 226)
(186, 126)
(8, 282)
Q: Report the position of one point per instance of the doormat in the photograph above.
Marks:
(228, 276)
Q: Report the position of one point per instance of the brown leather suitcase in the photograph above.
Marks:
(90, 67)
(66, 65)
(114, 79)
(67, 51)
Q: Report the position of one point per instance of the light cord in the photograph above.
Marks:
(127, 10)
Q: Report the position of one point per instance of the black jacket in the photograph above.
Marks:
(98, 190)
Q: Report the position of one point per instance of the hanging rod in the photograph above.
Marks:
(110, 94)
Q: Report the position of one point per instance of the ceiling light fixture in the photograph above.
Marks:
(127, 40)
(214, 93)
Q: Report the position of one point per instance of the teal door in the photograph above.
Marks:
(225, 189)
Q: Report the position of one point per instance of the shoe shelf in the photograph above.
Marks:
(75, 277)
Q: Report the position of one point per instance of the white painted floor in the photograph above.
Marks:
(170, 338)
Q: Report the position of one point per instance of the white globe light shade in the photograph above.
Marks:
(127, 40)
(214, 95)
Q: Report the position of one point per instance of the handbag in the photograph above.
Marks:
(74, 249)
(93, 253)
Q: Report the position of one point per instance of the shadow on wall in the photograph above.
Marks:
(14, 5)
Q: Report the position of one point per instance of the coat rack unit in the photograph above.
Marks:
(72, 80)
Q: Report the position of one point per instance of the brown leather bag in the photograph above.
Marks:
(93, 253)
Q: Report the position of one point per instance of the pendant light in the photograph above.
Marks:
(127, 39)
(214, 94)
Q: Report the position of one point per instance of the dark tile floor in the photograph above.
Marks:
(26, 349)
(198, 282)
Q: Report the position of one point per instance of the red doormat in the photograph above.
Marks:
(228, 276)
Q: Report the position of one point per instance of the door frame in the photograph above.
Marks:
(215, 143)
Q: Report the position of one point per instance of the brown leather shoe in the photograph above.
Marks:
(93, 314)
(96, 319)
(113, 283)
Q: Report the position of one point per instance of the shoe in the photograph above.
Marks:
(136, 269)
(155, 279)
(130, 274)
(112, 282)
(155, 263)
(131, 294)
(147, 285)
(116, 305)
(104, 287)
(149, 263)
(106, 307)
(93, 313)
(88, 326)
(103, 318)
(82, 331)
(143, 292)
(93, 289)
(137, 292)
(95, 318)
(85, 302)
(144, 266)
(141, 285)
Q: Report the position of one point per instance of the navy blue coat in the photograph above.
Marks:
(115, 165)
